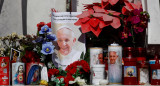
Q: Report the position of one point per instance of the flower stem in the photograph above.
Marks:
(133, 40)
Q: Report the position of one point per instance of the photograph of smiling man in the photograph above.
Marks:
(70, 43)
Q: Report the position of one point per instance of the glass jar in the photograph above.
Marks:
(130, 71)
(129, 52)
(155, 73)
(143, 72)
(140, 52)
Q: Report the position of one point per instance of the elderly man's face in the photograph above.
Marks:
(113, 56)
(65, 41)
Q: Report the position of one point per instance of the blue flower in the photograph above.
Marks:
(52, 37)
(47, 48)
(45, 29)
(39, 39)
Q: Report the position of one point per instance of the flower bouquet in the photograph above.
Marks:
(12, 40)
(114, 21)
(43, 41)
(75, 74)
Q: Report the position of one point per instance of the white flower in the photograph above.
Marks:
(20, 36)
(80, 81)
(14, 34)
(2, 49)
(53, 78)
(72, 82)
(21, 48)
(2, 38)
(8, 37)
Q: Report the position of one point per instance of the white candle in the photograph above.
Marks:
(98, 73)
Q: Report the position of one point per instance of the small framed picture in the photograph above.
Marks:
(14, 54)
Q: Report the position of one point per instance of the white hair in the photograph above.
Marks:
(68, 28)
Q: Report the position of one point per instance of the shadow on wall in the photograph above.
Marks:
(24, 16)
(1, 4)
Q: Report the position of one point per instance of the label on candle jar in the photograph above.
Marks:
(130, 71)
(18, 73)
(143, 76)
(4, 71)
(96, 56)
(156, 74)
(115, 64)
(98, 72)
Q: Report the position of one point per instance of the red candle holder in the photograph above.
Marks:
(130, 71)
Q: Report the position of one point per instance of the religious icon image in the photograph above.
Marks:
(19, 76)
(14, 54)
(154, 74)
(130, 71)
(3, 63)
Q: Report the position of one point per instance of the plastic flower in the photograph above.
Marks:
(47, 48)
(52, 72)
(52, 37)
(78, 80)
(49, 24)
(96, 19)
(39, 39)
(130, 7)
(112, 2)
(44, 82)
(45, 29)
(39, 25)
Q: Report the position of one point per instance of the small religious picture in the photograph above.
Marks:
(14, 54)
(154, 74)
(130, 71)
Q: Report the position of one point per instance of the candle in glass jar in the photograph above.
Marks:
(98, 73)
(115, 64)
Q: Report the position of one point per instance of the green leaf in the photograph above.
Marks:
(82, 56)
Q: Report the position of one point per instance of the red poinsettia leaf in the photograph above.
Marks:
(139, 5)
(114, 12)
(97, 31)
(107, 23)
(94, 22)
(107, 18)
(98, 14)
(98, 9)
(78, 22)
(85, 28)
(105, 4)
(134, 6)
(102, 24)
(86, 13)
(124, 11)
(116, 23)
(104, 0)
(113, 2)
(128, 6)
(84, 20)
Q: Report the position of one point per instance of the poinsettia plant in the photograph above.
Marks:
(76, 73)
(118, 14)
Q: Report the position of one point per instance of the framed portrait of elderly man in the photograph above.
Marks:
(70, 41)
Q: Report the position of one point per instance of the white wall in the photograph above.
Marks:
(40, 10)
(11, 17)
(80, 4)
(154, 24)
